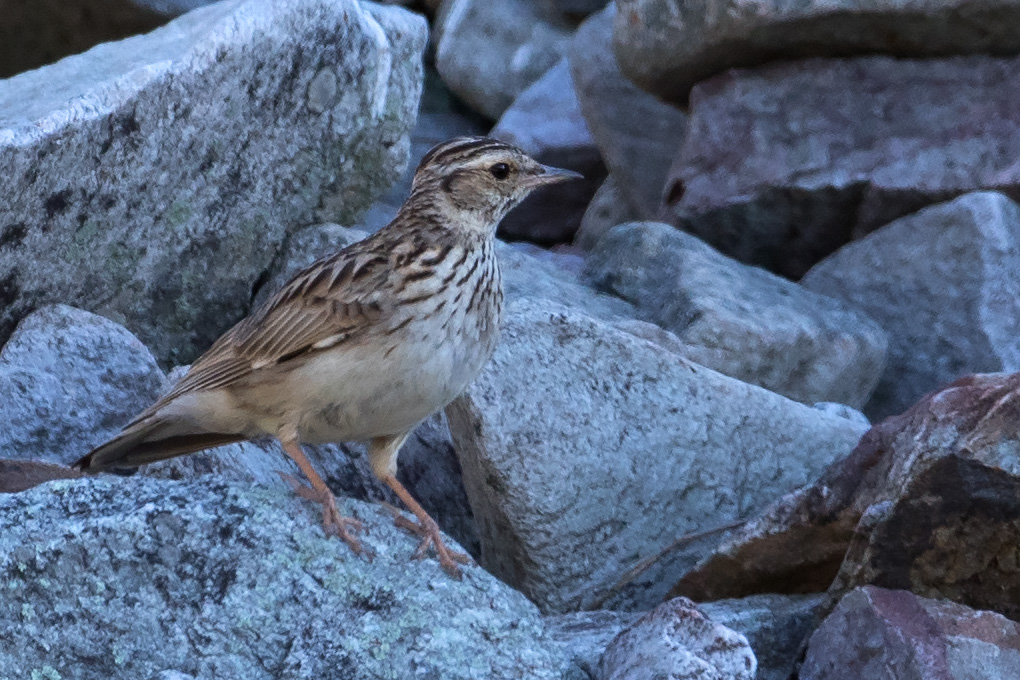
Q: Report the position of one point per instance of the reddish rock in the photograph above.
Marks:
(928, 501)
(883, 634)
(784, 164)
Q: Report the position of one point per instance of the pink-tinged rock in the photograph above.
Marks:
(883, 634)
(676, 641)
(928, 501)
(667, 46)
(782, 165)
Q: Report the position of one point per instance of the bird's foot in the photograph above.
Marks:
(333, 523)
(428, 530)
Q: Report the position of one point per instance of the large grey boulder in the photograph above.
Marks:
(489, 52)
(945, 284)
(546, 121)
(70, 380)
(667, 46)
(740, 320)
(152, 180)
(830, 149)
(586, 449)
(133, 578)
(636, 133)
(676, 641)
(893, 634)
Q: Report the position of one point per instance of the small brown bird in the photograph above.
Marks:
(363, 344)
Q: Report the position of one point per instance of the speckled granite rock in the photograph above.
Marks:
(739, 320)
(586, 449)
(132, 170)
(669, 45)
(677, 641)
(489, 52)
(70, 380)
(111, 579)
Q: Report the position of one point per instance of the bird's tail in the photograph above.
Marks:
(149, 440)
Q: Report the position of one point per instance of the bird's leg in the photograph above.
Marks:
(383, 456)
(333, 523)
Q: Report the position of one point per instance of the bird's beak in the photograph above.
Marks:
(550, 175)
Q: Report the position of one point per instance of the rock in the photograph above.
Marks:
(843, 411)
(775, 626)
(636, 133)
(892, 634)
(132, 169)
(927, 501)
(677, 641)
(71, 380)
(546, 122)
(584, 636)
(578, 8)
(568, 498)
(490, 52)
(945, 284)
(667, 46)
(128, 578)
(739, 320)
(834, 148)
(607, 208)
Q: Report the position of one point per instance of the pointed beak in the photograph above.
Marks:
(550, 175)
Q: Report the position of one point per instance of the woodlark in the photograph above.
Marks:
(363, 344)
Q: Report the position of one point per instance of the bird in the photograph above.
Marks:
(363, 344)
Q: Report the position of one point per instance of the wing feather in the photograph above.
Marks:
(334, 300)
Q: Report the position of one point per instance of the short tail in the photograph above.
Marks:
(148, 441)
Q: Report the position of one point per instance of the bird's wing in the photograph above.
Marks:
(335, 300)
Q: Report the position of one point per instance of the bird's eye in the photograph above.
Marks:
(500, 170)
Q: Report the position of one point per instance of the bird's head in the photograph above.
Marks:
(475, 181)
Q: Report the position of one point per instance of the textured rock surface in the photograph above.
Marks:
(113, 578)
(832, 147)
(775, 626)
(489, 52)
(546, 122)
(741, 320)
(893, 634)
(584, 636)
(669, 45)
(636, 133)
(926, 501)
(607, 208)
(70, 380)
(945, 284)
(676, 641)
(642, 446)
(132, 169)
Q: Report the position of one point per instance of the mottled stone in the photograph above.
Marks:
(677, 641)
(70, 380)
(583, 637)
(490, 52)
(110, 579)
(784, 164)
(739, 320)
(893, 634)
(152, 180)
(945, 284)
(636, 133)
(667, 46)
(586, 449)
